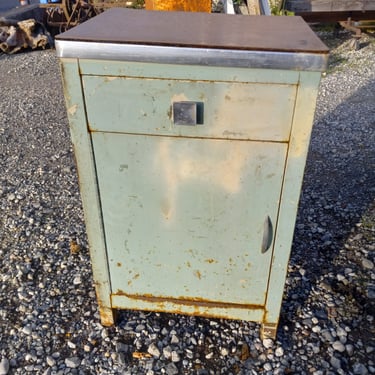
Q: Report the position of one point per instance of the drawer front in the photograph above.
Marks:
(185, 218)
(228, 110)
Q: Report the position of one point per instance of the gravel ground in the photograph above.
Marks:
(48, 314)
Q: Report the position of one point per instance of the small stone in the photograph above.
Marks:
(327, 336)
(335, 362)
(174, 339)
(140, 328)
(371, 292)
(224, 352)
(26, 330)
(50, 361)
(349, 349)
(175, 357)
(366, 263)
(121, 347)
(11, 197)
(167, 351)
(316, 329)
(267, 366)
(72, 362)
(360, 369)
(77, 280)
(268, 343)
(121, 358)
(71, 345)
(341, 332)
(154, 350)
(171, 369)
(279, 352)
(4, 366)
(339, 346)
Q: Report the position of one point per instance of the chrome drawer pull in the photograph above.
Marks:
(267, 234)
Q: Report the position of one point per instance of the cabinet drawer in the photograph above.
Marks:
(227, 110)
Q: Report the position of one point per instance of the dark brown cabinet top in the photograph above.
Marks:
(199, 30)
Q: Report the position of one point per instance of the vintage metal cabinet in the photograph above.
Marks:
(190, 132)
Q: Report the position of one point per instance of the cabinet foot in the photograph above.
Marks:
(107, 316)
(268, 331)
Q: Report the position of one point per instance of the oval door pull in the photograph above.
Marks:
(267, 234)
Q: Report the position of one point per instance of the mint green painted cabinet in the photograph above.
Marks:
(190, 152)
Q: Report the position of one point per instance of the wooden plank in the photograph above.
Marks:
(330, 5)
(336, 16)
(341, 5)
(253, 6)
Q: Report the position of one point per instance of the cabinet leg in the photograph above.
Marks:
(268, 331)
(107, 316)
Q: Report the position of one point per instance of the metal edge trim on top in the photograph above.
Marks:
(303, 61)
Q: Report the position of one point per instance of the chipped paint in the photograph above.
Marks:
(110, 78)
(72, 109)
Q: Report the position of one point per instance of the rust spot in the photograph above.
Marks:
(74, 247)
(210, 260)
(198, 274)
(136, 276)
(119, 264)
(169, 113)
(188, 264)
(188, 301)
(141, 355)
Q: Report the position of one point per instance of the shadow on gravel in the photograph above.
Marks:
(338, 190)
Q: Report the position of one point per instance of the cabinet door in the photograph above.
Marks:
(186, 218)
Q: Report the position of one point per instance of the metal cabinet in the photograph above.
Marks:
(190, 151)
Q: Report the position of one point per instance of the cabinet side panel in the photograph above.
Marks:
(88, 187)
(296, 159)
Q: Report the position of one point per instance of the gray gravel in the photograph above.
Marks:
(48, 314)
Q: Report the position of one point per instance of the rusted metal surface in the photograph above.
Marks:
(202, 222)
(268, 330)
(179, 5)
(183, 300)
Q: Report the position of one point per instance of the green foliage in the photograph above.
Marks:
(278, 8)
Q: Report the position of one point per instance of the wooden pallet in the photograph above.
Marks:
(330, 5)
(332, 10)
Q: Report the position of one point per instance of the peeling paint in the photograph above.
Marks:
(72, 110)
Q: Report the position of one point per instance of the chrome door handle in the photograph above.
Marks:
(267, 234)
